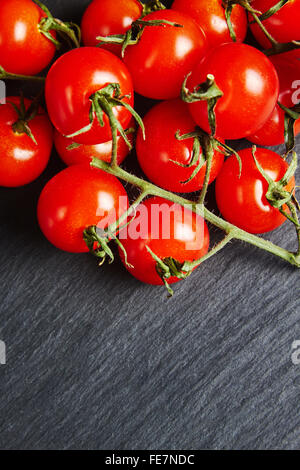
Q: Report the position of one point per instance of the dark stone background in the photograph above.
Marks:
(96, 360)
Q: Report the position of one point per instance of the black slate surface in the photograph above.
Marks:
(96, 360)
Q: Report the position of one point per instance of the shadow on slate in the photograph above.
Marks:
(96, 360)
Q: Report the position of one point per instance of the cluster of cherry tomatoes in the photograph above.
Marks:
(89, 88)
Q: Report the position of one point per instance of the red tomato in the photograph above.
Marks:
(242, 201)
(289, 79)
(169, 231)
(23, 160)
(292, 55)
(23, 48)
(76, 198)
(158, 152)
(84, 153)
(116, 18)
(210, 15)
(272, 132)
(165, 55)
(283, 25)
(70, 83)
(250, 86)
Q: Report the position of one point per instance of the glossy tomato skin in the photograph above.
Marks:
(210, 15)
(288, 72)
(70, 83)
(283, 25)
(85, 153)
(116, 18)
(176, 233)
(165, 55)
(272, 132)
(250, 87)
(158, 152)
(22, 161)
(23, 49)
(75, 199)
(242, 201)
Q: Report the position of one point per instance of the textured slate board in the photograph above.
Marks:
(96, 360)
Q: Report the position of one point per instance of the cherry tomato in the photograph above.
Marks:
(168, 230)
(164, 55)
(272, 132)
(161, 149)
(210, 15)
(81, 153)
(242, 200)
(250, 86)
(23, 160)
(116, 18)
(289, 79)
(23, 48)
(76, 198)
(283, 25)
(71, 82)
(292, 55)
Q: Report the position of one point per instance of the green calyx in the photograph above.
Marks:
(97, 241)
(134, 34)
(21, 126)
(290, 117)
(167, 268)
(69, 31)
(276, 195)
(204, 146)
(197, 157)
(102, 103)
(207, 91)
(152, 5)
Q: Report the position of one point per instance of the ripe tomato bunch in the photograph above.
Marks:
(207, 87)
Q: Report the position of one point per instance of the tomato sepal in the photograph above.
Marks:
(167, 268)
(97, 241)
(152, 5)
(206, 91)
(134, 34)
(290, 117)
(21, 126)
(102, 102)
(276, 195)
(68, 30)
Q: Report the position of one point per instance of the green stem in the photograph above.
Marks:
(256, 16)
(4, 75)
(295, 220)
(150, 6)
(208, 151)
(113, 228)
(214, 251)
(280, 48)
(265, 31)
(69, 31)
(232, 230)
